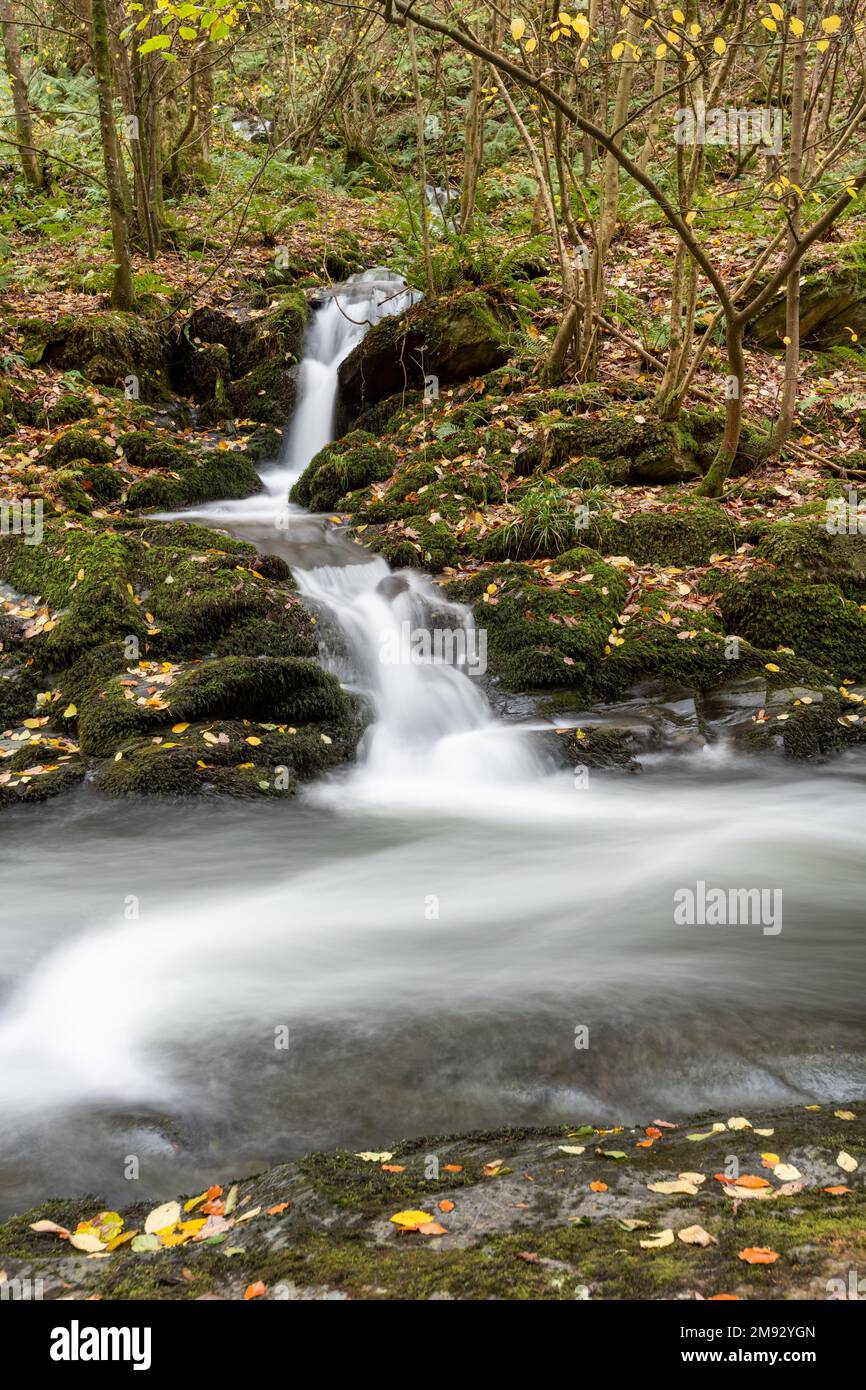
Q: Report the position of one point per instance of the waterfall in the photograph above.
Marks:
(413, 653)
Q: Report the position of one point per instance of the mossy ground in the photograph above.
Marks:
(520, 1216)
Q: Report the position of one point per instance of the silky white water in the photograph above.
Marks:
(430, 925)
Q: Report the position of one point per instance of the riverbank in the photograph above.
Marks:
(558, 1213)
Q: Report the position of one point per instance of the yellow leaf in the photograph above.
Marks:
(253, 741)
(411, 1220)
(844, 1114)
(832, 24)
(518, 29)
(719, 45)
(617, 51)
(179, 728)
(80, 574)
(658, 1241)
(530, 47)
(678, 17)
(661, 50)
(70, 711)
(777, 12)
(771, 666)
(797, 26)
(769, 24)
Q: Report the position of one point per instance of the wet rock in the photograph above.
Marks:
(462, 336)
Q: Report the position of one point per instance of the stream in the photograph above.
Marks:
(429, 930)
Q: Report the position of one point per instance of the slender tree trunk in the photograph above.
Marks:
(121, 290)
(714, 482)
(422, 159)
(785, 421)
(31, 163)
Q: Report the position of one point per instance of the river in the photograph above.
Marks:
(450, 934)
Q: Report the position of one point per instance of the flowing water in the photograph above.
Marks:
(431, 925)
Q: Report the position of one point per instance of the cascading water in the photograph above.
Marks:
(432, 950)
(433, 737)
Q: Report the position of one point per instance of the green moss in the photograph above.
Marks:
(540, 635)
(214, 474)
(353, 462)
(78, 444)
(421, 544)
(267, 393)
(104, 347)
(146, 449)
(281, 689)
(815, 620)
(682, 536)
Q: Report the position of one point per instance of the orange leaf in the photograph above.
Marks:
(598, 1187)
(748, 1180)
(492, 1168)
(758, 1255)
(392, 1168)
(431, 1228)
(652, 1132)
(644, 1143)
(255, 1290)
(453, 1168)
(446, 1205)
(724, 1297)
(281, 1206)
(837, 1191)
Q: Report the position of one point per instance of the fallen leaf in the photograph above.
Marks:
(431, 1228)
(598, 1187)
(846, 1162)
(411, 1220)
(374, 1158)
(446, 1204)
(686, 1189)
(696, 1235)
(572, 1149)
(758, 1255)
(256, 1290)
(162, 1217)
(659, 1241)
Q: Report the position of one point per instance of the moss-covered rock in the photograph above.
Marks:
(460, 336)
(105, 347)
(216, 473)
(267, 393)
(684, 534)
(352, 462)
(78, 444)
(814, 620)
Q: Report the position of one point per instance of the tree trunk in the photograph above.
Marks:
(31, 164)
(121, 290)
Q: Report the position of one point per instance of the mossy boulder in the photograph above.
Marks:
(685, 534)
(542, 631)
(816, 621)
(281, 689)
(106, 347)
(78, 444)
(214, 474)
(267, 393)
(832, 307)
(147, 449)
(352, 462)
(460, 336)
